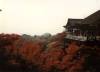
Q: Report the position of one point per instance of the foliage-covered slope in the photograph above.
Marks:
(47, 54)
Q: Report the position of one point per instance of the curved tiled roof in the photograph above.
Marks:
(92, 18)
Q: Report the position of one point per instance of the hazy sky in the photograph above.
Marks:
(41, 16)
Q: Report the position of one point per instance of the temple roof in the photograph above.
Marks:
(72, 22)
(92, 18)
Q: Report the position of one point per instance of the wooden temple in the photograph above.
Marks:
(87, 29)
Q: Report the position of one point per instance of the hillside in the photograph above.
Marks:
(47, 53)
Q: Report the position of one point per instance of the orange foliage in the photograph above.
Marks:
(52, 56)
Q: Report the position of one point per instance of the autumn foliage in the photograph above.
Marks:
(51, 54)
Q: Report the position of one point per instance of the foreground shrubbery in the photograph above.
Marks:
(46, 54)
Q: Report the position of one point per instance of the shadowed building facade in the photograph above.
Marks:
(87, 29)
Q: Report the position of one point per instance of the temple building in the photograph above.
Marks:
(84, 29)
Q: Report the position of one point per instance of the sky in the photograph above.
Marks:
(42, 16)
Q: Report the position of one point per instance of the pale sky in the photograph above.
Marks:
(42, 16)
